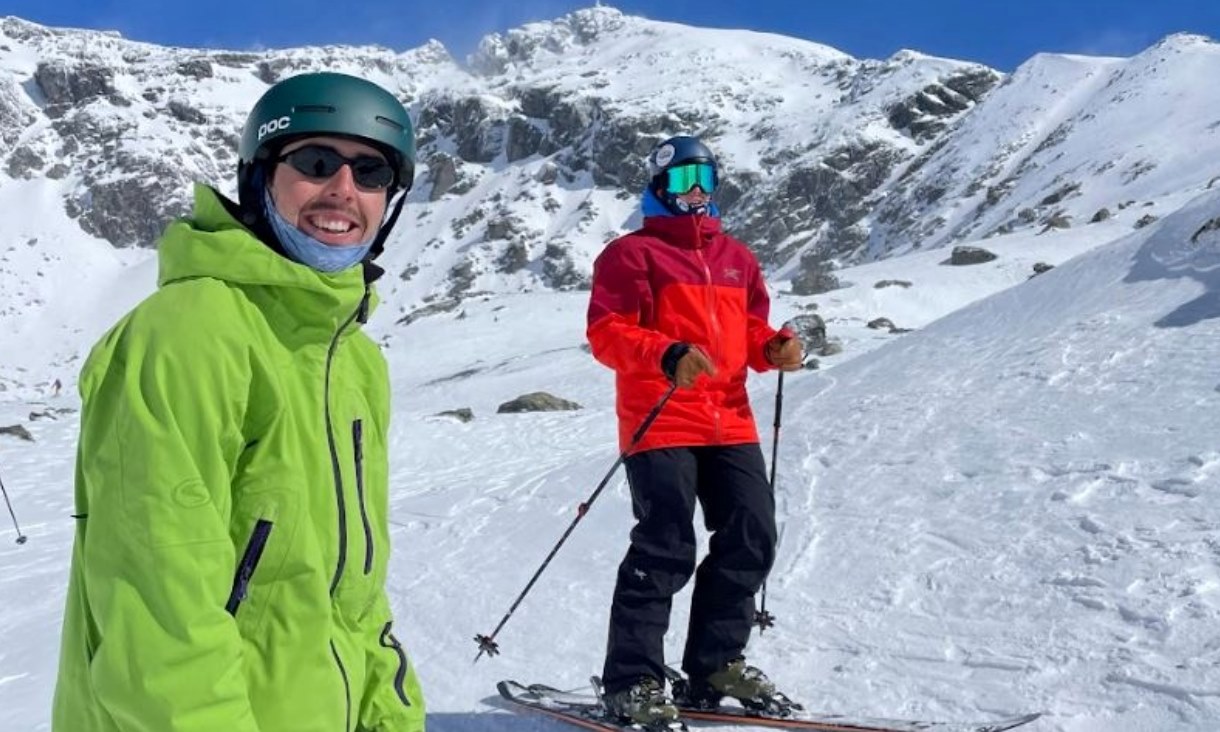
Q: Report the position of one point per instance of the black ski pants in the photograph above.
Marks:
(730, 483)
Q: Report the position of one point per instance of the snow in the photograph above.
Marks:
(1010, 508)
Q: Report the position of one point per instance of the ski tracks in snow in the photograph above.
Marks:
(988, 573)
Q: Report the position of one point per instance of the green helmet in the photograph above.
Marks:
(327, 103)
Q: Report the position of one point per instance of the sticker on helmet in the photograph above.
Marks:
(664, 155)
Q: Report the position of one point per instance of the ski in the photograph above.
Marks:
(576, 709)
(782, 712)
(585, 710)
(841, 723)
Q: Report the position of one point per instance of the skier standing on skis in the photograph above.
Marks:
(231, 488)
(681, 302)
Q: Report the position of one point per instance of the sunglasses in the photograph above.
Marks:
(319, 161)
(681, 178)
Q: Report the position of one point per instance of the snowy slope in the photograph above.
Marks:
(1011, 508)
(1069, 136)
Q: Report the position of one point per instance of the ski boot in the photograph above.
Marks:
(644, 703)
(737, 680)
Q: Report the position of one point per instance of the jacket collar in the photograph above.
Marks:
(694, 231)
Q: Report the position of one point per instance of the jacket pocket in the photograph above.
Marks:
(400, 676)
(247, 565)
(358, 451)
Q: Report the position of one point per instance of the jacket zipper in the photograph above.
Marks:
(330, 443)
(710, 300)
(347, 688)
(360, 312)
(249, 561)
(358, 448)
(400, 677)
(710, 297)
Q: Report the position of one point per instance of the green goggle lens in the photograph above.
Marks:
(681, 178)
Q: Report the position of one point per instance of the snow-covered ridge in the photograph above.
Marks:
(1011, 507)
(525, 172)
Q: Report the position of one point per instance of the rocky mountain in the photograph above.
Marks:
(531, 151)
(1064, 141)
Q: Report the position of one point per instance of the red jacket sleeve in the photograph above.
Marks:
(621, 308)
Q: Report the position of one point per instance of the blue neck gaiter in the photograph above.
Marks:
(303, 248)
(651, 205)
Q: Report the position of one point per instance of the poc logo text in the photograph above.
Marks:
(274, 125)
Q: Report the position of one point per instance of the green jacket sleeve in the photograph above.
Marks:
(393, 700)
(161, 432)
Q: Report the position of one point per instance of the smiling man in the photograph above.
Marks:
(325, 200)
(231, 485)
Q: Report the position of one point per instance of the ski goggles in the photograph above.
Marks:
(681, 178)
(319, 161)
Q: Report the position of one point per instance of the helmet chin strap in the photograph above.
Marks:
(384, 232)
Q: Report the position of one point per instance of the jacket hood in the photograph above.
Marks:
(213, 243)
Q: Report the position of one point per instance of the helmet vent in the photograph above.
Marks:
(325, 108)
(389, 122)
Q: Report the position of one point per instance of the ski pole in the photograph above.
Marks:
(487, 643)
(21, 538)
(762, 618)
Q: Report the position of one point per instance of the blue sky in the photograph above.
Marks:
(1000, 33)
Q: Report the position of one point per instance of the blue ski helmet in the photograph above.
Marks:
(691, 158)
(678, 150)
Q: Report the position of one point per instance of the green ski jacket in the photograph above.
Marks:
(229, 568)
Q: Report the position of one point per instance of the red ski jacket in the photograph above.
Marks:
(680, 279)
